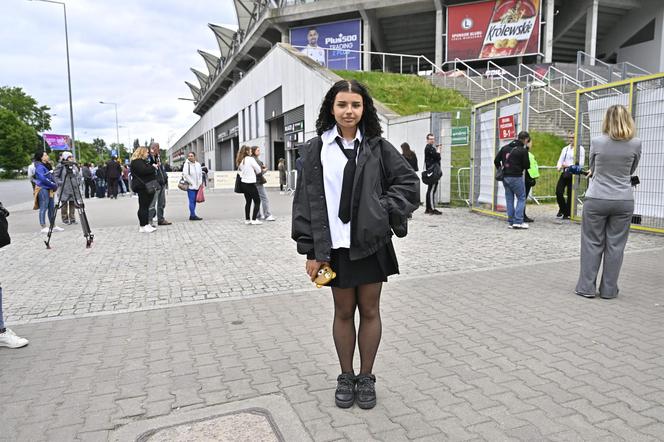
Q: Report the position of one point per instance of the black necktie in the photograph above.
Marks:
(349, 176)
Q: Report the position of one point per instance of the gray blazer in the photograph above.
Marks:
(612, 163)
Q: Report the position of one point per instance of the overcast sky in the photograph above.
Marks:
(136, 53)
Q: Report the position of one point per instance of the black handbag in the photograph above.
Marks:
(500, 174)
(150, 187)
(432, 174)
(238, 184)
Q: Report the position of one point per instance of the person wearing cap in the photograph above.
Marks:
(67, 187)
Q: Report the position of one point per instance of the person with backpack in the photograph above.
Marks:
(512, 159)
(7, 337)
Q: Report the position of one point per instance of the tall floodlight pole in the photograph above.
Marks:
(117, 128)
(71, 106)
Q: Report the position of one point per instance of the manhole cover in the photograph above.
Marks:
(234, 427)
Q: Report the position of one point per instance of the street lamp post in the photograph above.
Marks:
(117, 129)
(71, 106)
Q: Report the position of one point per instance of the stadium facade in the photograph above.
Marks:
(266, 84)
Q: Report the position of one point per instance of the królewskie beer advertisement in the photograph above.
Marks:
(493, 29)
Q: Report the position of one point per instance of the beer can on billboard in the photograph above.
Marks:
(493, 29)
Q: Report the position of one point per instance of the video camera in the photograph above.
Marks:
(575, 169)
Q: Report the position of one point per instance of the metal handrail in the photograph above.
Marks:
(503, 74)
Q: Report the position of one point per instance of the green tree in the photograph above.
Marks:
(17, 142)
(25, 107)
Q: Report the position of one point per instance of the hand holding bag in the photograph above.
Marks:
(200, 196)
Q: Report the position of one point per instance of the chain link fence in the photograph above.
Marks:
(644, 97)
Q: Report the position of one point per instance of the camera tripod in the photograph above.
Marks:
(78, 203)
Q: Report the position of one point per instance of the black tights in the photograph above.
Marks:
(367, 299)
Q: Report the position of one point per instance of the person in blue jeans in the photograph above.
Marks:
(7, 337)
(513, 159)
(192, 173)
(45, 181)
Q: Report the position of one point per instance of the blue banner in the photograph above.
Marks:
(329, 43)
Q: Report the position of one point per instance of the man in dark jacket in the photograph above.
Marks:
(432, 157)
(113, 174)
(158, 204)
(513, 158)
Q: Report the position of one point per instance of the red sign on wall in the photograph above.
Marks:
(506, 128)
(493, 29)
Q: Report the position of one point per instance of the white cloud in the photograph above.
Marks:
(135, 53)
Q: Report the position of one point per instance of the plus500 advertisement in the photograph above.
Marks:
(493, 29)
(328, 44)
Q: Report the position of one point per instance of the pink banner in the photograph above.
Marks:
(58, 142)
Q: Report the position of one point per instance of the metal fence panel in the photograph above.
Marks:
(644, 96)
(486, 195)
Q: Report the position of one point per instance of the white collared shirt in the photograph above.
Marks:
(567, 157)
(334, 161)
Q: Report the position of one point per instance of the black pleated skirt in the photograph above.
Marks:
(369, 270)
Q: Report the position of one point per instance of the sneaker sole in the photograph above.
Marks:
(585, 295)
(344, 404)
(366, 405)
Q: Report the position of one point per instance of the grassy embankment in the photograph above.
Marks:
(409, 94)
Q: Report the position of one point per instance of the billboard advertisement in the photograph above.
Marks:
(58, 142)
(493, 29)
(328, 44)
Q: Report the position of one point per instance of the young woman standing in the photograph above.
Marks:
(193, 174)
(352, 182)
(608, 205)
(142, 172)
(248, 169)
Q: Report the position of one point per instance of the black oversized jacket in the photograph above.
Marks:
(513, 157)
(376, 195)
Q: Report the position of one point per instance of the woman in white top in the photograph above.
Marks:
(193, 174)
(249, 168)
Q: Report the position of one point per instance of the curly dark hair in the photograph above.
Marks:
(369, 123)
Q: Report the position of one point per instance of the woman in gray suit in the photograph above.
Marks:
(608, 204)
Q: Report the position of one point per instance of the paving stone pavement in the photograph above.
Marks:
(482, 338)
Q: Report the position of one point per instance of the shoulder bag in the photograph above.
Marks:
(184, 184)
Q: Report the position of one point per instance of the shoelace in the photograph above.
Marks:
(365, 384)
(345, 384)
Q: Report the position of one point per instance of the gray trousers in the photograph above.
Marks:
(265, 203)
(604, 232)
(158, 204)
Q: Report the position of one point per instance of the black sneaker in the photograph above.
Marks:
(436, 212)
(566, 217)
(366, 391)
(345, 394)
(528, 220)
(559, 215)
